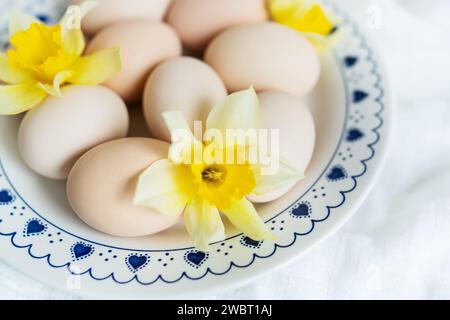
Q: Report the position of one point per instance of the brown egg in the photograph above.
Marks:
(102, 184)
(284, 112)
(144, 44)
(183, 84)
(55, 134)
(112, 11)
(198, 21)
(267, 56)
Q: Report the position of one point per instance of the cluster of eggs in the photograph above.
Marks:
(82, 136)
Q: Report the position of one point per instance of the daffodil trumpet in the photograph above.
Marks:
(307, 17)
(201, 180)
(44, 58)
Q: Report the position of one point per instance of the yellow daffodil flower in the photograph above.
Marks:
(44, 58)
(204, 187)
(306, 17)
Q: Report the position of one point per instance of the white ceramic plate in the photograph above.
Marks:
(41, 236)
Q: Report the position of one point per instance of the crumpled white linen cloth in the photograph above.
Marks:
(397, 245)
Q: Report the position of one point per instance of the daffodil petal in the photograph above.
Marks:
(307, 17)
(203, 223)
(287, 11)
(58, 81)
(96, 68)
(20, 21)
(316, 21)
(266, 183)
(73, 42)
(240, 110)
(72, 37)
(18, 98)
(185, 147)
(11, 74)
(164, 187)
(75, 14)
(175, 121)
(242, 214)
(302, 15)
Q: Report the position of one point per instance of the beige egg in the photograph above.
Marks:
(55, 134)
(112, 11)
(284, 112)
(102, 184)
(184, 84)
(198, 21)
(144, 45)
(267, 56)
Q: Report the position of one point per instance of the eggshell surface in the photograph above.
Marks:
(182, 84)
(108, 12)
(144, 44)
(198, 21)
(267, 56)
(55, 134)
(102, 184)
(296, 127)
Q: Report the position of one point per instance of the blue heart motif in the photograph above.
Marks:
(250, 242)
(336, 174)
(34, 227)
(137, 262)
(359, 96)
(302, 210)
(196, 258)
(350, 61)
(6, 197)
(44, 18)
(81, 250)
(354, 135)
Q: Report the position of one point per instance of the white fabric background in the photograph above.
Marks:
(397, 246)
